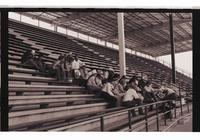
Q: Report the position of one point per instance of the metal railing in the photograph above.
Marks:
(146, 120)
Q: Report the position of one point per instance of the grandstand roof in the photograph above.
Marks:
(147, 33)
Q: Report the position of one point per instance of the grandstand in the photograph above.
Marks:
(38, 102)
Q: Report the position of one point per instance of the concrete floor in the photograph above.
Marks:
(186, 127)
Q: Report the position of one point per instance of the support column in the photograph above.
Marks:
(55, 28)
(122, 58)
(172, 48)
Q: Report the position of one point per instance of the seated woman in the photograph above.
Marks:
(131, 98)
(58, 67)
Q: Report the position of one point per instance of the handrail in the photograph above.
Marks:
(101, 116)
(171, 125)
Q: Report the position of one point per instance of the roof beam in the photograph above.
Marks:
(71, 17)
(61, 25)
(184, 38)
(149, 49)
(150, 28)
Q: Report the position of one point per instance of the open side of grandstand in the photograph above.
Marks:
(39, 102)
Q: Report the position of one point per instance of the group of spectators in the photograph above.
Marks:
(119, 91)
(116, 90)
(66, 68)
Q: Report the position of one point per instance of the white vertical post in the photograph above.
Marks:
(122, 60)
(55, 28)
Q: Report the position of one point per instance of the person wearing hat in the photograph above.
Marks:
(111, 73)
(131, 98)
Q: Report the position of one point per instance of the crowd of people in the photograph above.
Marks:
(116, 90)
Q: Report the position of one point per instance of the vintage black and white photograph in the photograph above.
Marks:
(100, 71)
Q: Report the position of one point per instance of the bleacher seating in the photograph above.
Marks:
(39, 102)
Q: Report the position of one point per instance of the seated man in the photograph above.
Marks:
(119, 88)
(111, 73)
(40, 62)
(131, 98)
(84, 75)
(168, 94)
(94, 83)
(107, 93)
(76, 64)
(29, 58)
(58, 66)
(141, 84)
(105, 74)
(68, 67)
(149, 96)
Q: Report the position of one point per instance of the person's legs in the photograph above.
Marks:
(32, 63)
(58, 73)
(42, 66)
(82, 82)
(150, 99)
(139, 103)
(130, 104)
(171, 97)
(153, 97)
(93, 89)
(111, 99)
(119, 100)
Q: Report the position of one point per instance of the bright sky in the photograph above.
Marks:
(182, 60)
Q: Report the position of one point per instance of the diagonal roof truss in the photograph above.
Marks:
(147, 33)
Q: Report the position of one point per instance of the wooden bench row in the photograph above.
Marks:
(39, 116)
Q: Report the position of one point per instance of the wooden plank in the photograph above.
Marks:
(44, 115)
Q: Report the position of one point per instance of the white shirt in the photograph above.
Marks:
(106, 74)
(76, 64)
(118, 90)
(94, 81)
(130, 95)
(108, 87)
(149, 89)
